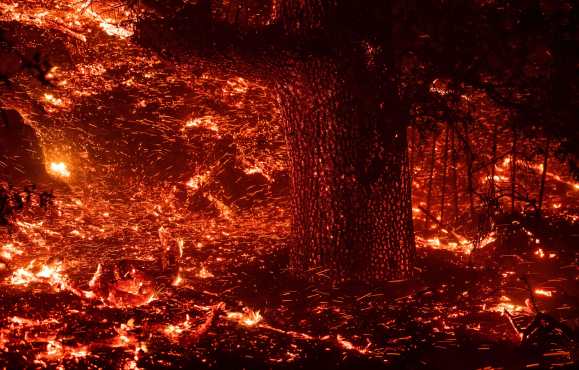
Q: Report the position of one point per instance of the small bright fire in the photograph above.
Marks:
(59, 169)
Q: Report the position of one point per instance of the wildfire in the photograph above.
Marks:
(108, 25)
(59, 169)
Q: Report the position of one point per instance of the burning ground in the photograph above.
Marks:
(165, 244)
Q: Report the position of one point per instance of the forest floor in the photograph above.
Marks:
(452, 317)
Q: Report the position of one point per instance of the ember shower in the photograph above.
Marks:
(288, 184)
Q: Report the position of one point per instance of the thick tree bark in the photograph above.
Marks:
(350, 177)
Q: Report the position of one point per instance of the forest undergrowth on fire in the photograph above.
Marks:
(159, 236)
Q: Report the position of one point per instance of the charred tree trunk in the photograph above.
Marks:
(350, 175)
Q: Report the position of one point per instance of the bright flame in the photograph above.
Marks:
(51, 99)
(204, 273)
(97, 274)
(59, 169)
(246, 318)
(8, 251)
(197, 181)
(543, 292)
(205, 122)
(505, 304)
(178, 280)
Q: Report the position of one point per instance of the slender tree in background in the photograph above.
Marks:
(543, 176)
(513, 164)
(469, 167)
(444, 171)
(492, 183)
(454, 168)
(430, 179)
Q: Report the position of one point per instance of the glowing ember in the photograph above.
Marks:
(96, 276)
(177, 330)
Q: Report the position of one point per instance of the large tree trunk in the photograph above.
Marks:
(350, 178)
